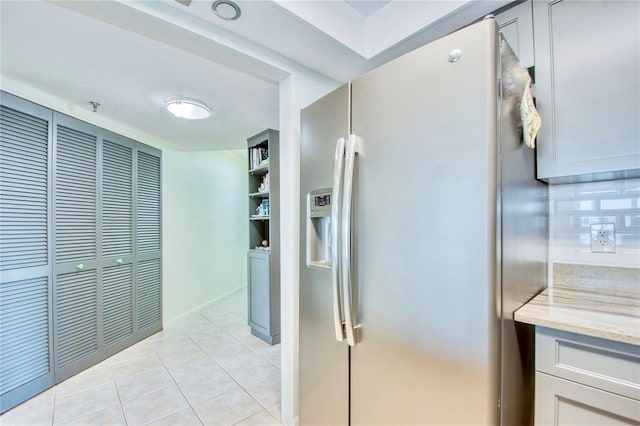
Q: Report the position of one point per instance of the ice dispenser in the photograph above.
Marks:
(319, 229)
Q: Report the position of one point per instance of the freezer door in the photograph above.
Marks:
(424, 237)
(324, 361)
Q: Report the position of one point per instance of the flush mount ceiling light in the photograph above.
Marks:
(191, 109)
(226, 9)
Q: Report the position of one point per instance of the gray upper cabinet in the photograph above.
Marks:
(516, 25)
(587, 58)
(26, 351)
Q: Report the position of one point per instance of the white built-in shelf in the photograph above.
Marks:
(263, 272)
(255, 250)
(260, 169)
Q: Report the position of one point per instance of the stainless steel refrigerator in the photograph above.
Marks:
(423, 229)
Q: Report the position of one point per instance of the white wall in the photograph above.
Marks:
(574, 207)
(204, 225)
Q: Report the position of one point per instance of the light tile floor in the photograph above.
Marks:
(206, 368)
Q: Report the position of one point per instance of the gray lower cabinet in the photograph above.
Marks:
(26, 343)
(587, 89)
(80, 246)
(582, 380)
(264, 298)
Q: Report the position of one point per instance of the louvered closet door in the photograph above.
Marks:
(148, 242)
(25, 270)
(76, 293)
(117, 242)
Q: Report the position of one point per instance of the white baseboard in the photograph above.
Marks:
(204, 305)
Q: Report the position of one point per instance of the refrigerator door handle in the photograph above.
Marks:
(336, 196)
(347, 202)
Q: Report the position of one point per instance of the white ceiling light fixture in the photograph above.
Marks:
(226, 9)
(191, 109)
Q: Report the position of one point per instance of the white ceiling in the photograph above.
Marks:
(367, 8)
(79, 59)
(131, 56)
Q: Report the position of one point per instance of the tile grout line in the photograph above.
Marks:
(173, 378)
(53, 401)
(73, 395)
(228, 372)
(92, 411)
(225, 370)
(214, 361)
(124, 416)
(179, 389)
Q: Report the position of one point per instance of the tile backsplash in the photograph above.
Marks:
(589, 277)
(573, 208)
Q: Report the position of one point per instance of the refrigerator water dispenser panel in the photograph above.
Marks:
(319, 229)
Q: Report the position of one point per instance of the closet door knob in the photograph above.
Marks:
(119, 261)
(79, 266)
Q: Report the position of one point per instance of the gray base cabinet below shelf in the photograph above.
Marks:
(264, 309)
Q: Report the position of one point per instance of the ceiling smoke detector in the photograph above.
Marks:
(226, 9)
(191, 109)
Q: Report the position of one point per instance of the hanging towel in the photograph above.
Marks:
(529, 117)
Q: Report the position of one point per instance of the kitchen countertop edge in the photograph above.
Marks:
(585, 312)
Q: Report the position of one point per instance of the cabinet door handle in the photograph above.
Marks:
(80, 266)
(119, 261)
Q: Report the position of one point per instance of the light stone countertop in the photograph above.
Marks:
(609, 309)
